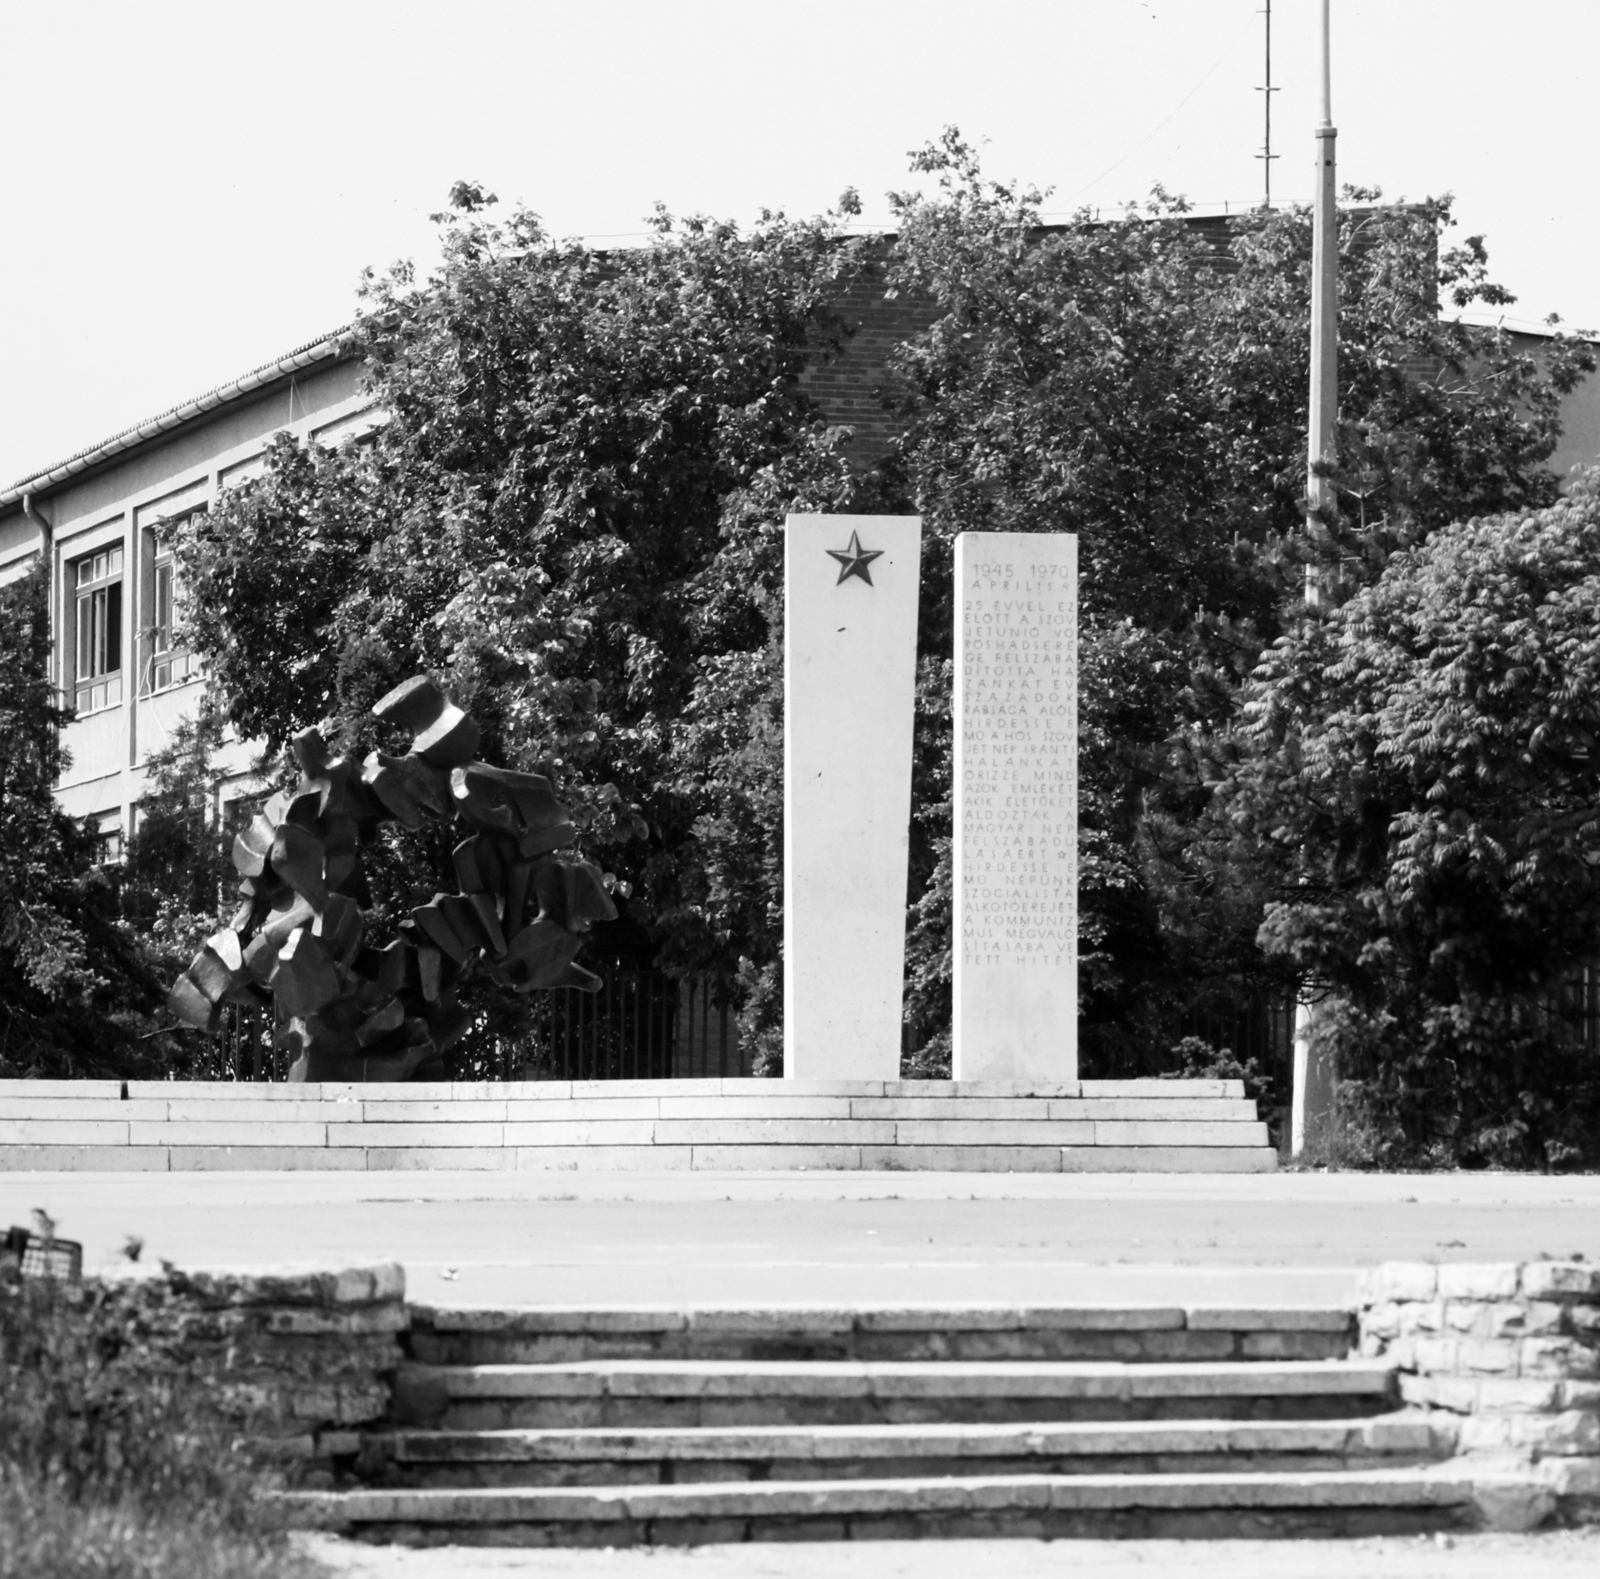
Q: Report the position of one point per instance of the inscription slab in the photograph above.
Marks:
(850, 657)
(1015, 949)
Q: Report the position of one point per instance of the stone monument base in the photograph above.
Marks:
(819, 1125)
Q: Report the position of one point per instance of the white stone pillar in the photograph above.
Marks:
(1015, 942)
(850, 654)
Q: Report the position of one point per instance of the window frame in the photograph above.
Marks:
(99, 581)
(167, 665)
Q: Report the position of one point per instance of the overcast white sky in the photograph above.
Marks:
(190, 189)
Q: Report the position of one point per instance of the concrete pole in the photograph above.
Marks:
(1315, 1079)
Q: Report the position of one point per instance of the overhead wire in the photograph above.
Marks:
(1233, 44)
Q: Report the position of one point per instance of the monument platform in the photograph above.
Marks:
(1068, 1126)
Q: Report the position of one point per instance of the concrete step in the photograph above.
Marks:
(1279, 1503)
(678, 1393)
(719, 1125)
(548, 1335)
(563, 1090)
(259, 1151)
(460, 1459)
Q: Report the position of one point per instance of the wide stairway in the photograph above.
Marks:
(656, 1426)
(1067, 1126)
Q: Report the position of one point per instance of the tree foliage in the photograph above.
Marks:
(1134, 384)
(1419, 781)
(572, 515)
(72, 986)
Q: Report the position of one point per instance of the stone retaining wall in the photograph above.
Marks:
(1507, 1357)
(300, 1360)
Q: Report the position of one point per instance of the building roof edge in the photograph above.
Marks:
(328, 347)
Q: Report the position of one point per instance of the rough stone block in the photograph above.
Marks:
(1495, 1281)
(1486, 1433)
(1561, 1280)
(1579, 1395)
(1381, 1322)
(1422, 1318)
(376, 1319)
(1572, 1477)
(1559, 1357)
(1571, 1432)
(1526, 1318)
(1524, 1395)
(1488, 1357)
(1400, 1281)
(1512, 1506)
(1440, 1356)
(1457, 1394)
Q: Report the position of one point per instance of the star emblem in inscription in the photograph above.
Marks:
(854, 560)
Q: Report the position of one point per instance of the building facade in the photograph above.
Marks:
(103, 521)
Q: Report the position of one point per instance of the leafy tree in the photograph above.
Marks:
(1420, 784)
(573, 517)
(1132, 384)
(72, 987)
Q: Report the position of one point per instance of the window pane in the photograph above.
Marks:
(113, 597)
(163, 608)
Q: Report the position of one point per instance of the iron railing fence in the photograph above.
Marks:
(641, 1025)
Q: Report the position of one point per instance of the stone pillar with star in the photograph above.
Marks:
(850, 657)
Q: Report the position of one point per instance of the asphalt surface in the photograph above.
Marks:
(566, 1239)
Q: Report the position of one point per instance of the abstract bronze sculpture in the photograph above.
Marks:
(351, 1011)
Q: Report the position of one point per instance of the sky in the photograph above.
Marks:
(190, 190)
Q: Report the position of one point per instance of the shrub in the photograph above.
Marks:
(115, 1460)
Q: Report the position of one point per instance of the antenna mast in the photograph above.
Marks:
(1266, 156)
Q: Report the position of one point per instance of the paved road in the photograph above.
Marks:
(1558, 1555)
(474, 1238)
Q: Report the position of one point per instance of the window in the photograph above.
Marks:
(99, 589)
(168, 664)
(106, 831)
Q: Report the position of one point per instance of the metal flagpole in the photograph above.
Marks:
(1314, 1076)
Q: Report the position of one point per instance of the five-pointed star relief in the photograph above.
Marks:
(853, 561)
